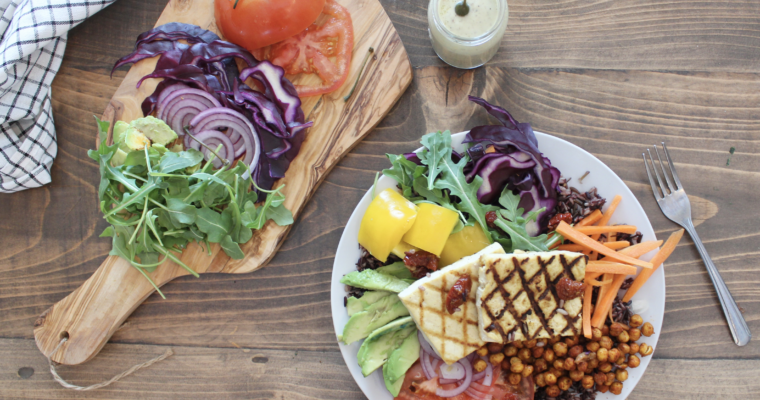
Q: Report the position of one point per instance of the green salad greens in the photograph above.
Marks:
(157, 201)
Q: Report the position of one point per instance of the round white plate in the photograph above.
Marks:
(573, 162)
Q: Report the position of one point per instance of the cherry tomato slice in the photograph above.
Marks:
(314, 49)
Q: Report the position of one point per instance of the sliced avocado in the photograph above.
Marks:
(154, 129)
(373, 280)
(397, 269)
(135, 140)
(118, 157)
(361, 324)
(399, 362)
(375, 350)
(177, 148)
(356, 304)
(161, 149)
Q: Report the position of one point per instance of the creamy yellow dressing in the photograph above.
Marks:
(482, 17)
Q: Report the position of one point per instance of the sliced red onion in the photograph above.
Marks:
(425, 345)
(220, 117)
(454, 371)
(180, 106)
(462, 387)
(477, 395)
(169, 90)
(443, 381)
(426, 367)
(213, 139)
(489, 375)
(479, 375)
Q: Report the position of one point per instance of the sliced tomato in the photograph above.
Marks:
(324, 49)
(416, 387)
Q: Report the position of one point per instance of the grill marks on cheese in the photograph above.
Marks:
(518, 297)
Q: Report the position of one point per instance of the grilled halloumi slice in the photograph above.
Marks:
(517, 298)
(453, 336)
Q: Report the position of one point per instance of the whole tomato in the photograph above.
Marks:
(254, 24)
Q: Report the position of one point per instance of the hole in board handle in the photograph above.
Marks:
(64, 335)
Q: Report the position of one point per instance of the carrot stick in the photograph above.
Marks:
(606, 302)
(570, 233)
(578, 248)
(638, 250)
(657, 260)
(587, 311)
(593, 230)
(594, 282)
(590, 219)
(592, 275)
(610, 210)
(611, 268)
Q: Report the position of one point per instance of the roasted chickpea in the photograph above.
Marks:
(527, 371)
(605, 367)
(540, 343)
(537, 352)
(636, 321)
(624, 348)
(549, 355)
(539, 379)
(559, 364)
(524, 354)
(596, 334)
(550, 378)
(576, 375)
(582, 366)
(605, 330)
(623, 337)
(633, 361)
(557, 372)
(515, 379)
(600, 378)
(483, 351)
(617, 328)
(592, 346)
(517, 368)
(602, 388)
(510, 351)
(647, 329)
(645, 349)
(496, 358)
(495, 348)
(505, 365)
(479, 365)
(587, 382)
(613, 355)
(605, 342)
(560, 349)
(610, 378)
(574, 351)
(571, 341)
(529, 344)
(519, 345)
(602, 354)
(616, 387)
(569, 364)
(564, 383)
(540, 365)
(553, 391)
(634, 334)
(634, 348)
(592, 364)
(621, 362)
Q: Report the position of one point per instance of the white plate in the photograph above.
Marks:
(573, 162)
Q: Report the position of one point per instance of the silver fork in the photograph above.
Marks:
(675, 205)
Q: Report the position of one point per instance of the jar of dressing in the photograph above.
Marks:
(471, 40)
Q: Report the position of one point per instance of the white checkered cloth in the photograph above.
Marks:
(31, 50)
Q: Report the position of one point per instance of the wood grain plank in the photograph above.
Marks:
(635, 35)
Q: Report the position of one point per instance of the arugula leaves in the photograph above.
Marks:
(511, 221)
(157, 203)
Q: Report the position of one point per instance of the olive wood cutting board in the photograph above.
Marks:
(92, 313)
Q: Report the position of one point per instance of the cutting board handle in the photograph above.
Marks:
(91, 314)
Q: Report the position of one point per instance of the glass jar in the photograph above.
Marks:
(469, 41)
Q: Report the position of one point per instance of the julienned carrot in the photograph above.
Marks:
(570, 233)
(604, 221)
(587, 311)
(600, 313)
(598, 230)
(578, 248)
(610, 268)
(590, 219)
(594, 282)
(592, 275)
(657, 260)
(638, 250)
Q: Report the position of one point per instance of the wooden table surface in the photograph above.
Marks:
(609, 76)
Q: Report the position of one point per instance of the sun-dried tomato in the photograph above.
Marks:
(567, 217)
(458, 294)
(568, 289)
(420, 262)
(491, 217)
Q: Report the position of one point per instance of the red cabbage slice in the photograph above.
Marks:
(506, 119)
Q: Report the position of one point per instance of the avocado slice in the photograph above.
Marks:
(372, 280)
(357, 304)
(400, 360)
(118, 157)
(376, 349)
(144, 131)
(361, 324)
(119, 134)
(397, 269)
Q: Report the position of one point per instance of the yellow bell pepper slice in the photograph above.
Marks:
(466, 242)
(388, 217)
(432, 228)
(401, 248)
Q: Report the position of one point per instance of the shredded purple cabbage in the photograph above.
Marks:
(516, 164)
(208, 63)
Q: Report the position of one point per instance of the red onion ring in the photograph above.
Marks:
(180, 105)
(425, 345)
(477, 395)
(461, 388)
(169, 90)
(428, 369)
(213, 139)
(220, 117)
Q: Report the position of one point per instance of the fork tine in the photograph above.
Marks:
(671, 186)
(657, 174)
(672, 167)
(651, 179)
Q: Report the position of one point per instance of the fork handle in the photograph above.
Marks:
(736, 322)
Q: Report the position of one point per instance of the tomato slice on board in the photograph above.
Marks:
(324, 49)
